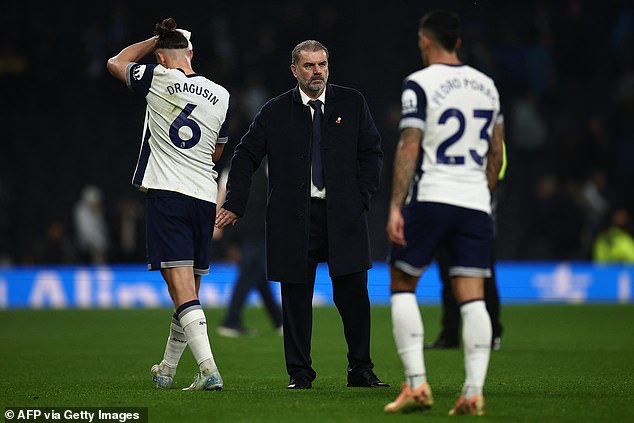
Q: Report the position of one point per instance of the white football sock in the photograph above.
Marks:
(194, 325)
(176, 343)
(408, 330)
(476, 338)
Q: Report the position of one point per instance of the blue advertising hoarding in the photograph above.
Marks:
(126, 286)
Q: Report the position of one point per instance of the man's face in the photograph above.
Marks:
(311, 72)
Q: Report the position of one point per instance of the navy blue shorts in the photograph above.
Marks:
(466, 233)
(179, 229)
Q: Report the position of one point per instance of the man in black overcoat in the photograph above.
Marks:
(324, 157)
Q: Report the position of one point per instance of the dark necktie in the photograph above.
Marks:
(317, 169)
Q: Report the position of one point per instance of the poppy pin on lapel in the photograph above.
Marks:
(338, 120)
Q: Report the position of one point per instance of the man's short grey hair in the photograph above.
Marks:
(308, 45)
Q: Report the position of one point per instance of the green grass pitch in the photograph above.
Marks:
(558, 363)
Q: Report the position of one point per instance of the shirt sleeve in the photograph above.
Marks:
(413, 106)
(138, 77)
(223, 134)
(500, 117)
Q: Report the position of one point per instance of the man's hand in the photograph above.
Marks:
(225, 218)
(404, 169)
(396, 228)
(117, 64)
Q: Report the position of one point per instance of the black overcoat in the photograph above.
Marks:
(351, 157)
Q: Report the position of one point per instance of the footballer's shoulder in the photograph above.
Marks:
(479, 74)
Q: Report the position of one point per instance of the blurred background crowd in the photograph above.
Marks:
(71, 133)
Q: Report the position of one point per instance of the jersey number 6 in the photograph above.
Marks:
(183, 120)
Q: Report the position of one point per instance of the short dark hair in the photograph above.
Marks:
(443, 26)
(308, 45)
(168, 36)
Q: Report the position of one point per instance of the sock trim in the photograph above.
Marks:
(470, 301)
(187, 307)
(400, 291)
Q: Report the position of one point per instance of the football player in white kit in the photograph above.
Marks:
(185, 130)
(446, 163)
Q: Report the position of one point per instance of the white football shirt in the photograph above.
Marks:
(456, 107)
(186, 116)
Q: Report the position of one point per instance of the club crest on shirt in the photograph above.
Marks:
(137, 72)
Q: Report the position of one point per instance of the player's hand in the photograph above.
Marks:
(396, 228)
(225, 218)
(217, 234)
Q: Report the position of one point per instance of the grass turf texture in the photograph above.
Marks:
(558, 363)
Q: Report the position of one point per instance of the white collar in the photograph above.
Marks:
(306, 99)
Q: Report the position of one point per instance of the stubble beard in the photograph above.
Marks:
(316, 86)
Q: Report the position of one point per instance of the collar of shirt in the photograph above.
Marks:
(306, 99)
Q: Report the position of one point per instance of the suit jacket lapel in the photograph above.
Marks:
(304, 109)
(330, 104)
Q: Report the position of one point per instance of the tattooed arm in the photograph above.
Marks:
(404, 168)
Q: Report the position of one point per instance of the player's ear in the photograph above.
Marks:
(191, 54)
(160, 57)
(458, 43)
(294, 70)
(423, 41)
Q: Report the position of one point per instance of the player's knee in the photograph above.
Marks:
(401, 281)
(468, 288)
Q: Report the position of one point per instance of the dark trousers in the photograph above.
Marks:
(252, 275)
(450, 322)
(350, 295)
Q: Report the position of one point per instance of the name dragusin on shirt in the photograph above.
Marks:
(188, 87)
